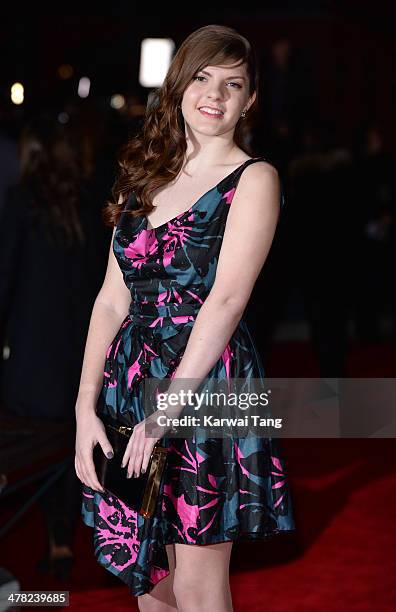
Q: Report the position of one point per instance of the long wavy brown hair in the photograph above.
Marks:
(155, 156)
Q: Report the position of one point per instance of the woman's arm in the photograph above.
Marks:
(110, 308)
(248, 236)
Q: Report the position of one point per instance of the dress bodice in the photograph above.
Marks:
(171, 269)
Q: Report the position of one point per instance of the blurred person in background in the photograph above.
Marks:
(289, 99)
(375, 192)
(322, 237)
(51, 241)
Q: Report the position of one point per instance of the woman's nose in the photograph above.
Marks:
(216, 91)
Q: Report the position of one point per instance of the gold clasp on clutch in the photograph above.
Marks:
(124, 430)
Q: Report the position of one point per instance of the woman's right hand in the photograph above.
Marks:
(90, 431)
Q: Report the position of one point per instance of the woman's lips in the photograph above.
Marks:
(211, 115)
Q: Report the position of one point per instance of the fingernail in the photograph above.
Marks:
(110, 455)
(143, 470)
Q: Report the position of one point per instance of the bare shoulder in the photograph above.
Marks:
(258, 188)
(259, 172)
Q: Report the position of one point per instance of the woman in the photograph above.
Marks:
(189, 263)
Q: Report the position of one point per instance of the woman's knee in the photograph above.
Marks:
(187, 589)
(201, 594)
(193, 588)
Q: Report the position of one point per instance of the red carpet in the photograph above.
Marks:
(341, 558)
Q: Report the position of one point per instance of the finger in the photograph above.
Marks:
(137, 458)
(143, 461)
(80, 468)
(130, 460)
(125, 458)
(106, 446)
(83, 474)
(77, 469)
(138, 461)
(127, 453)
(92, 477)
(80, 473)
(146, 459)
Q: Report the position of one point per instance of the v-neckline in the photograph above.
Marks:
(190, 209)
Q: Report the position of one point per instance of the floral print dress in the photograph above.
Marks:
(215, 489)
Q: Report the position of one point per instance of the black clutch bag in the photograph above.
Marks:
(139, 493)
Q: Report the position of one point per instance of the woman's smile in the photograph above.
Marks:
(210, 113)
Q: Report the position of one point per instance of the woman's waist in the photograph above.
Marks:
(152, 314)
(150, 311)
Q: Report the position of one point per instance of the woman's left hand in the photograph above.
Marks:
(138, 452)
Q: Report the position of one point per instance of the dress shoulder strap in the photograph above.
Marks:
(130, 202)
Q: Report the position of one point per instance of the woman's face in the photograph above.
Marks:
(218, 88)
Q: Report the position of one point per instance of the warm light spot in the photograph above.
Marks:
(17, 93)
(65, 71)
(117, 101)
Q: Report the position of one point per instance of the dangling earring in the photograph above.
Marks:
(243, 113)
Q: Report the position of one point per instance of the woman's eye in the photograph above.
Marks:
(202, 77)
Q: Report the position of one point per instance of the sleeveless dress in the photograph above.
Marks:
(215, 490)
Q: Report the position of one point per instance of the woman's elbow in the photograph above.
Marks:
(231, 304)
